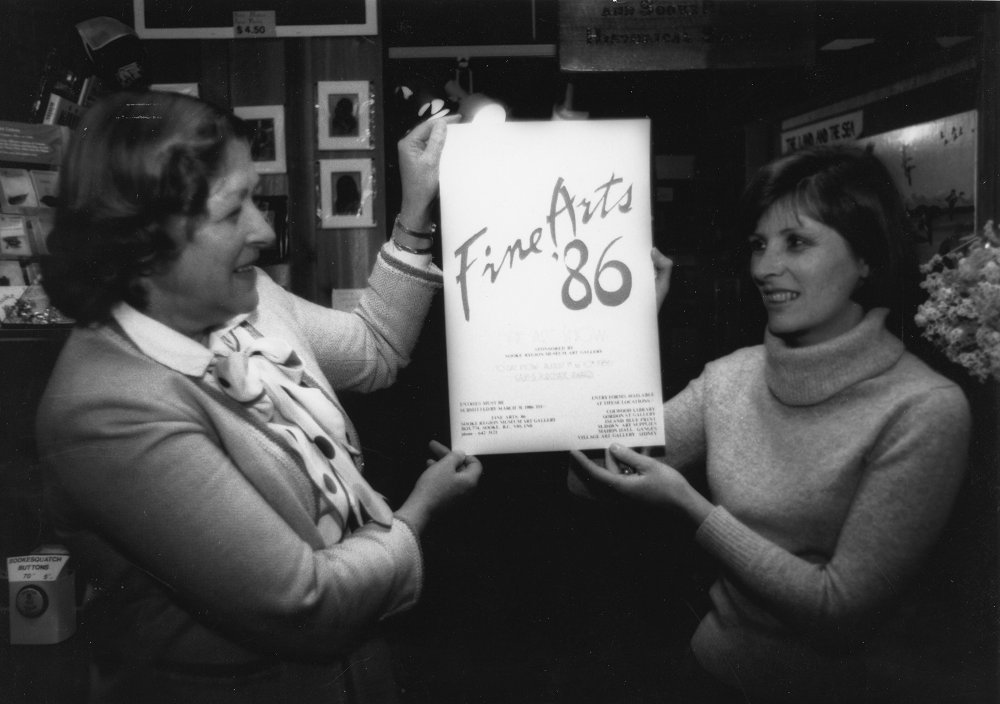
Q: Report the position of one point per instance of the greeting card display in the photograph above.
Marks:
(550, 303)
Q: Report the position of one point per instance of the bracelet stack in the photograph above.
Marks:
(412, 241)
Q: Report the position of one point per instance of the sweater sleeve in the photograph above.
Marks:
(684, 426)
(900, 508)
(365, 349)
(149, 479)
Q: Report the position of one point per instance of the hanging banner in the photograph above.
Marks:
(654, 35)
(549, 294)
(843, 128)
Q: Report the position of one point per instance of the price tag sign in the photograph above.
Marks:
(254, 24)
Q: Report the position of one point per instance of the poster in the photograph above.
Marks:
(934, 166)
(550, 307)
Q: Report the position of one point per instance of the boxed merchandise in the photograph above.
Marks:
(46, 185)
(17, 192)
(39, 225)
(14, 240)
(62, 111)
(42, 597)
(11, 273)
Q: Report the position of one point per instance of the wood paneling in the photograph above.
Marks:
(324, 259)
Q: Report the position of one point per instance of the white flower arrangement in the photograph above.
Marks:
(961, 315)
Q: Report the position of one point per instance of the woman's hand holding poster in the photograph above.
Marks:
(550, 303)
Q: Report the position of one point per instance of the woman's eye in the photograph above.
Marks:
(755, 245)
(796, 242)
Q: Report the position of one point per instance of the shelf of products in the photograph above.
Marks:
(29, 183)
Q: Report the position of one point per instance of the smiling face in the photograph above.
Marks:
(806, 273)
(213, 279)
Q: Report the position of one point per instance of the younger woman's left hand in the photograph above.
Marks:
(639, 477)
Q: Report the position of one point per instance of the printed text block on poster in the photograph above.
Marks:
(550, 303)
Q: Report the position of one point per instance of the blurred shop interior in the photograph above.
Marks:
(533, 595)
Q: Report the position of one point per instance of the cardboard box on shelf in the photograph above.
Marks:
(17, 191)
(14, 240)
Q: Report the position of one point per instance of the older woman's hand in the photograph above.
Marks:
(639, 477)
(445, 482)
(419, 159)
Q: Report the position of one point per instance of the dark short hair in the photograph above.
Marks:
(848, 189)
(139, 166)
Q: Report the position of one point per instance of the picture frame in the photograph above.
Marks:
(275, 211)
(267, 146)
(346, 193)
(164, 19)
(344, 119)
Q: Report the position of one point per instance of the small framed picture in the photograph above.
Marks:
(344, 120)
(346, 193)
(267, 145)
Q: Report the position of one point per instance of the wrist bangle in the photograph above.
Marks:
(415, 233)
(408, 243)
(412, 250)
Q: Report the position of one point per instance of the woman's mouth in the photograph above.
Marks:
(245, 269)
(776, 297)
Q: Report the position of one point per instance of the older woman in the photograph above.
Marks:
(198, 462)
(833, 454)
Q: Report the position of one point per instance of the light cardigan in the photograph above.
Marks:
(197, 520)
(833, 469)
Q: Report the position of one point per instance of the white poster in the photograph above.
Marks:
(550, 303)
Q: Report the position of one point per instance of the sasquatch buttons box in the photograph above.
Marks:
(42, 599)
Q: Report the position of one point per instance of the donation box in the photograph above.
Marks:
(42, 599)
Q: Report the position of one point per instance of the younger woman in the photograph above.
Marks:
(833, 455)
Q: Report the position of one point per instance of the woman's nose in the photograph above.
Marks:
(765, 263)
(261, 233)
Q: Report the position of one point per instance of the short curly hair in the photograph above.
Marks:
(139, 167)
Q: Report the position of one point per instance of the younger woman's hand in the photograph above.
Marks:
(448, 480)
(639, 477)
(663, 266)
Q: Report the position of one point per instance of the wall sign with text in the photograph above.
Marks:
(657, 35)
(550, 305)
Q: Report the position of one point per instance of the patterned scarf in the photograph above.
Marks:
(268, 378)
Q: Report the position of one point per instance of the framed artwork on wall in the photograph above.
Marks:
(346, 193)
(267, 145)
(168, 19)
(344, 120)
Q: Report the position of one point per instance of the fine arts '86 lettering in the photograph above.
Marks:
(612, 196)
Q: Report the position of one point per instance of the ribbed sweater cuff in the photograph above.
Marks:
(727, 539)
(432, 274)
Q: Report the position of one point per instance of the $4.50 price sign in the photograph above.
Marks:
(254, 24)
(549, 286)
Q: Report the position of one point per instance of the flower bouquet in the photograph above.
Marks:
(961, 315)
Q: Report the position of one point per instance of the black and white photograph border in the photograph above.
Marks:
(268, 142)
(347, 102)
(331, 212)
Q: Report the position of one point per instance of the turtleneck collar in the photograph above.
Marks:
(803, 376)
